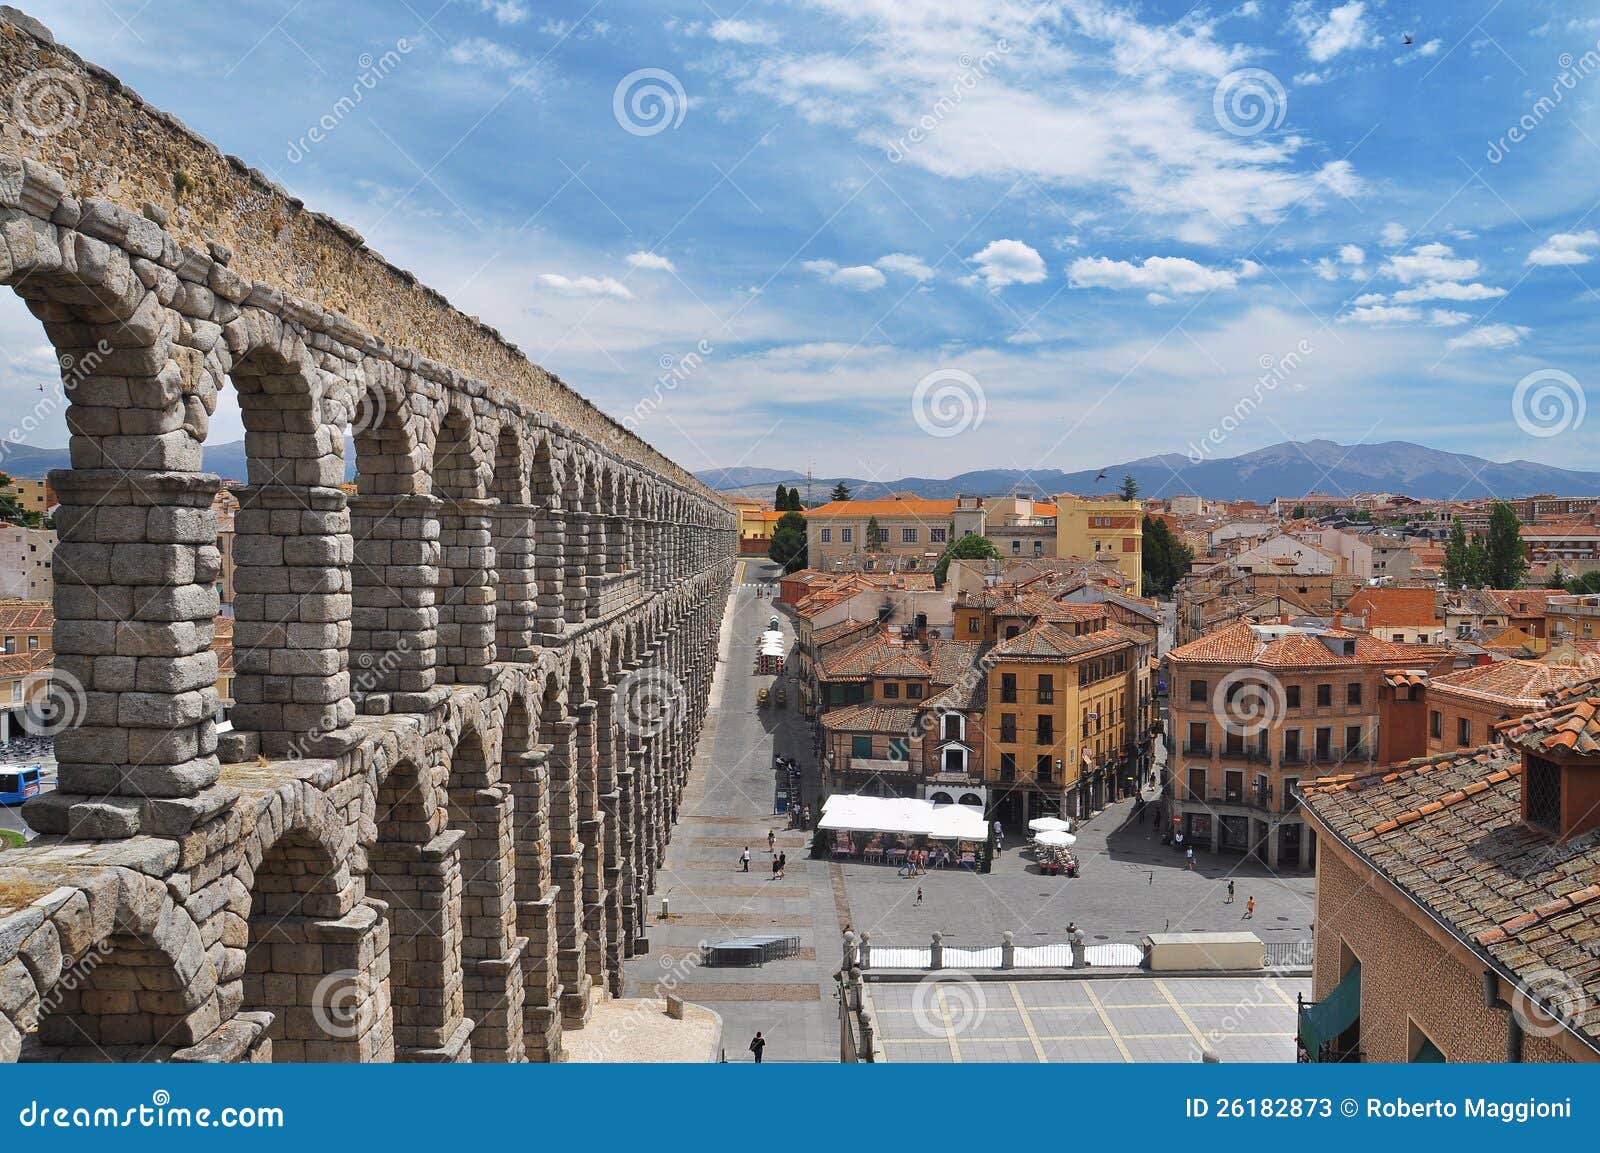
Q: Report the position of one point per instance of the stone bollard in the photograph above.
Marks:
(1079, 952)
(1008, 950)
(849, 950)
(868, 1028)
(936, 954)
(866, 949)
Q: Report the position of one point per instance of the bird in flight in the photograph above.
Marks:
(1101, 477)
(1408, 39)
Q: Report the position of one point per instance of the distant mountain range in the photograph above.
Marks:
(1293, 468)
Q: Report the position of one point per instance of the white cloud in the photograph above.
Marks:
(1433, 261)
(1351, 254)
(505, 11)
(585, 285)
(1419, 51)
(906, 265)
(1350, 262)
(1310, 79)
(1325, 268)
(1003, 262)
(1369, 298)
(650, 261)
(1248, 8)
(1394, 234)
(1566, 248)
(1177, 275)
(1491, 336)
(1380, 314)
(478, 52)
(1446, 317)
(1325, 37)
(857, 277)
(1447, 290)
(743, 32)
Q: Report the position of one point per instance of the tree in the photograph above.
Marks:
(873, 533)
(788, 546)
(1298, 512)
(1463, 563)
(780, 500)
(841, 491)
(1505, 559)
(970, 547)
(1589, 582)
(1129, 487)
(1166, 558)
(1557, 578)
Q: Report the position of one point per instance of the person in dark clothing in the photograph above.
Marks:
(757, 1045)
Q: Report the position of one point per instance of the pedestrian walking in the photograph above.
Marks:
(744, 858)
(772, 839)
(1229, 901)
(919, 895)
(1249, 908)
(758, 1045)
(776, 865)
(783, 863)
(1189, 856)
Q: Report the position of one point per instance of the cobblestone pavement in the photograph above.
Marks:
(728, 805)
(1131, 1019)
(1130, 885)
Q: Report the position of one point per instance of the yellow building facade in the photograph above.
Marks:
(1103, 528)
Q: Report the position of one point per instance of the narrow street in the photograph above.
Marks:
(728, 805)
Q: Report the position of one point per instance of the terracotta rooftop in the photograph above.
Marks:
(1050, 641)
(903, 508)
(898, 720)
(1244, 643)
(1569, 726)
(26, 616)
(1447, 831)
(1394, 607)
(1512, 682)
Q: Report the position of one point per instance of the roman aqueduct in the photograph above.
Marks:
(466, 695)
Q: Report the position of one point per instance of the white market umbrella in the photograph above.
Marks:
(1050, 825)
(1055, 840)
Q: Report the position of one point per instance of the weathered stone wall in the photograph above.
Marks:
(466, 696)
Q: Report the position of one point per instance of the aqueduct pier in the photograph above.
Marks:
(465, 696)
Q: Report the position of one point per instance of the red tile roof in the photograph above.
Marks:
(1242, 643)
(1394, 607)
(1571, 726)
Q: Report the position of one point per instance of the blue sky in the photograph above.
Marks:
(860, 225)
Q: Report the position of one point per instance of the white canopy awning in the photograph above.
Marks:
(1055, 840)
(847, 813)
(1050, 825)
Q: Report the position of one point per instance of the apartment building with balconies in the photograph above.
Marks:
(1258, 709)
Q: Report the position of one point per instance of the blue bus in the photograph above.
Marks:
(18, 783)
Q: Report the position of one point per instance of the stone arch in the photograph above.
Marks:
(388, 449)
(515, 539)
(575, 494)
(464, 592)
(313, 957)
(140, 987)
(291, 553)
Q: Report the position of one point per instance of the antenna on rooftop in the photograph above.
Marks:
(809, 467)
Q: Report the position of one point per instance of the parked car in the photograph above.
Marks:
(761, 698)
(783, 698)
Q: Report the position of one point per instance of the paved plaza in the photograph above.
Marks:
(955, 1018)
(1130, 885)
